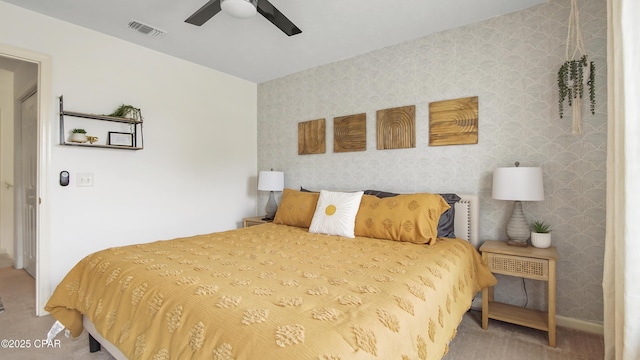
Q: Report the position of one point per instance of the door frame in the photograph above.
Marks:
(43, 233)
(20, 207)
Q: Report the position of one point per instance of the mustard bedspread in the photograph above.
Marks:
(274, 292)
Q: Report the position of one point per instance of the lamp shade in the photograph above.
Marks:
(239, 8)
(271, 181)
(518, 183)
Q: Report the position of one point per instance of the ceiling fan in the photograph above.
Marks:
(244, 9)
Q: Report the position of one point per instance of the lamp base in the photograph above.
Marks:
(517, 243)
(271, 208)
(517, 228)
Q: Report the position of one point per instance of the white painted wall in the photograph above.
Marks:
(6, 163)
(197, 172)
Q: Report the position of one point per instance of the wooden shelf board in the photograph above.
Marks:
(100, 117)
(518, 315)
(102, 146)
(501, 247)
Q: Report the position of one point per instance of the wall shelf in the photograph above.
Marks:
(136, 129)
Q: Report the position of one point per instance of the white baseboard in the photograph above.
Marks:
(581, 325)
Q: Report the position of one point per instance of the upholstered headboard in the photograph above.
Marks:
(466, 219)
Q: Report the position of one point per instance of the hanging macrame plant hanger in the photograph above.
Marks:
(571, 73)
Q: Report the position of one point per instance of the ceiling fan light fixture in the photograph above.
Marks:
(239, 8)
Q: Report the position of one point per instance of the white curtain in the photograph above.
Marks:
(621, 280)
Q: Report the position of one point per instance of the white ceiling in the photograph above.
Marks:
(254, 49)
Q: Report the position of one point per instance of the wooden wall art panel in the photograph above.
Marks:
(350, 133)
(311, 137)
(453, 122)
(396, 128)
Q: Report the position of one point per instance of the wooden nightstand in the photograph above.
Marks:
(255, 220)
(526, 262)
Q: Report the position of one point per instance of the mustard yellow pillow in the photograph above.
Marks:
(411, 217)
(296, 208)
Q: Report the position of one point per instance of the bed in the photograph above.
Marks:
(283, 291)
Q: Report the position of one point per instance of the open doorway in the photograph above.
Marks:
(18, 167)
(7, 181)
(30, 99)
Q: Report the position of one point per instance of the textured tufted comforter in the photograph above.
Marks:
(274, 292)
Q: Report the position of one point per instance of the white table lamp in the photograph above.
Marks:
(271, 181)
(518, 184)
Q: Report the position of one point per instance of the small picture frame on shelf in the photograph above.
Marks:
(120, 139)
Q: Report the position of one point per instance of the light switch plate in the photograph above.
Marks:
(84, 179)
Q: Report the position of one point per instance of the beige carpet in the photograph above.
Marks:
(500, 341)
(5, 260)
(507, 341)
(19, 322)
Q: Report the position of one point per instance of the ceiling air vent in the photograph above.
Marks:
(146, 29)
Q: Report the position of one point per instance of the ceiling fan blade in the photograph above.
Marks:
(204, 13)
(266, 9)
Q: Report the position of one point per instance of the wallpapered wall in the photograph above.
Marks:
(511, 63)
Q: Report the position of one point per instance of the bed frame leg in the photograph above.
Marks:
(94, 345)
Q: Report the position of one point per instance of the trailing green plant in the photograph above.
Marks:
(592, 86)
(79, 131)
(571, 83)
(127, 112)
(540, 227)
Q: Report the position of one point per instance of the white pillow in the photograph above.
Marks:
(336, 213)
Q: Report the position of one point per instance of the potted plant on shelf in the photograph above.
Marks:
(130, 112)
(540, 235)
(127, 112)
(78, 135)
